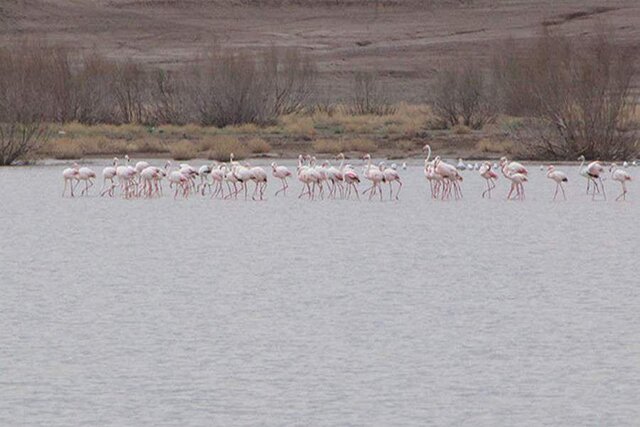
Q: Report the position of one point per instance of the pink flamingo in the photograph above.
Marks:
(109, 173)
(69, 175)
(490, 176)
(375, 175)
(259, 177)
(513, 167)
(451, 178)
(87, 175)
(595, 171)
(622, 177)
(391, 175)
(559, 177)
(281, 173)
(351, 178)
(517, 180)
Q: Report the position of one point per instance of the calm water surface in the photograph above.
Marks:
(289, 312)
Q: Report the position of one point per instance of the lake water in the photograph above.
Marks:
(291, 312)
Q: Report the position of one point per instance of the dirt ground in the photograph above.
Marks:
(406, 41)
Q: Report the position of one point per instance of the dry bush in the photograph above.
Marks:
(223, 147)
(461, 130)
(170, 100)
(183, 150)
(298, 125)
(258, 146)
(129, 87)
(291, 78)
(24, 104)
(576, 95)
(240, 88)
(369, 96)
(463, 94)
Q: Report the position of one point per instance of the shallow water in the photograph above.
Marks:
(290, 312)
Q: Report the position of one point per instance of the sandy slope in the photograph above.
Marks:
(406, 40)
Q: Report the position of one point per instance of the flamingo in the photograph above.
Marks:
(513, 167)
(517, 180)
(584, 172)
(351, 178)
(335, 177)
(490, 176)
(85, 174)
(244, 175)
(595, 171)
(69, 175)
(126, 173)
(391, 175)
(179, 179)
(109, 173)
(204, 172)
(374, 175)
(451, 178)
(461, 166)
(259, 176)
(281, 173)
(622, 177)
(147, 179)
(217, 176)
(435, 180)
(559, 177)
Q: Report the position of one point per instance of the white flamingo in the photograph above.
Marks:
(69, 175)
(281, 173)
(622, 177)
(559, 177)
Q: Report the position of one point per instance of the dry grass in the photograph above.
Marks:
(335, 146)
(62, 149)
(298, 125)
(493, 146)
(183, 150)
(461, 130)
(258, 146)
(328, 146)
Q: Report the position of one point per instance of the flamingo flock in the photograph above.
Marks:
(322, 180)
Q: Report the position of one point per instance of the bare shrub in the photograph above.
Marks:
(23, 104)
(464, 95)
(369, 96)
(95, 101)
(130, 90)
(290, 77)
(578, 96)
(170, 98)
(239, 88)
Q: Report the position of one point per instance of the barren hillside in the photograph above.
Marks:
(405, 40)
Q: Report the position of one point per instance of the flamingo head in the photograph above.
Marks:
(613, 167)
(581, 158)
(550, 168)
(340, 156)
(427, 147)
(366, 157)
